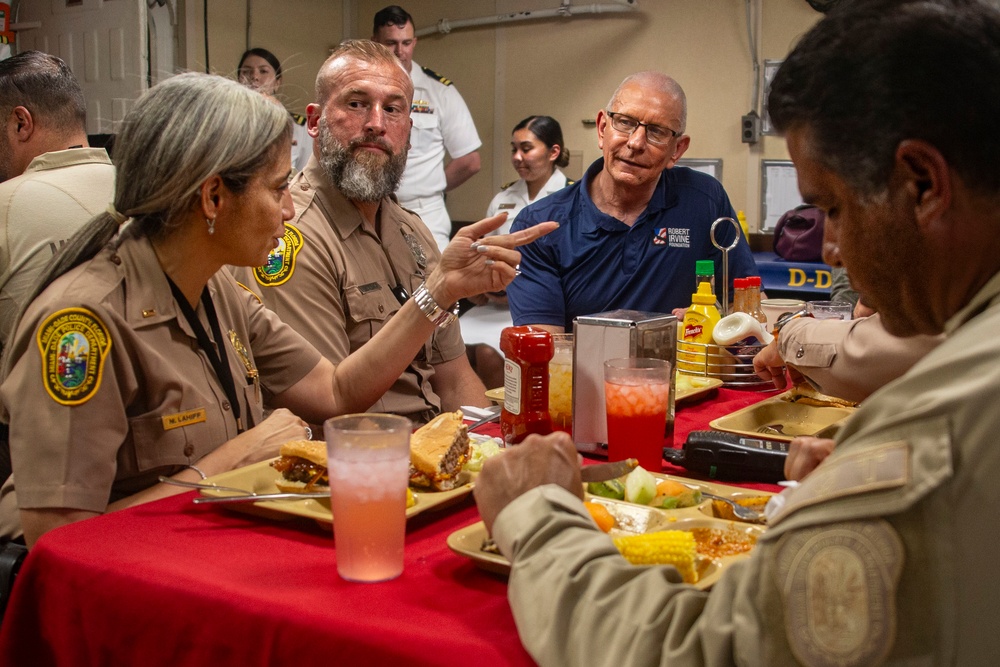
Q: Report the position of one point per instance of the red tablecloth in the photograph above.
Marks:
(171, 583)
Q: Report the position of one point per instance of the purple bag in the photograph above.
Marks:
(798, 237)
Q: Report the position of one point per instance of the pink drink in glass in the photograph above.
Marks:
(369, 473)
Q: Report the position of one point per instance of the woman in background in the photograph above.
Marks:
(260, 70)
(138, 355)
(536, 151)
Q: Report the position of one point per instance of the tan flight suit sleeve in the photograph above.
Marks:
(850, 359)
(576, 601)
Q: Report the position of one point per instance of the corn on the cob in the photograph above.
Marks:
(666, 547)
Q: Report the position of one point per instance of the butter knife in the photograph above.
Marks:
(261, 496)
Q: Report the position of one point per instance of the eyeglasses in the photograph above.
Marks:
(655, 134)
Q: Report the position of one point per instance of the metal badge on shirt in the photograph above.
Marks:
(416, 248)
(281, 261)
(74, 344)
(675, 237)
(252, 375)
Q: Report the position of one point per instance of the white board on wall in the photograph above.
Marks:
(779, 191)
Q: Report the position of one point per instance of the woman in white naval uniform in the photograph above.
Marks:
(536, 151)
(261, 70)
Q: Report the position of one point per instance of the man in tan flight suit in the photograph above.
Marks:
(884, 554)
(351, 257)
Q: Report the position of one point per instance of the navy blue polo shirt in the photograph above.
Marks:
(595, 263)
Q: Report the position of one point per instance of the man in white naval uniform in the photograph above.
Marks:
(441, 124)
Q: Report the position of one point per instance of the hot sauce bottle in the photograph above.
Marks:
(527, 351)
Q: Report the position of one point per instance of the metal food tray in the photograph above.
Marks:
(795, 418)
(635, 519)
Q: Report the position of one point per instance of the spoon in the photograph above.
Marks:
(742, 513)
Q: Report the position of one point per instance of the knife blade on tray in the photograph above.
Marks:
(602, 472)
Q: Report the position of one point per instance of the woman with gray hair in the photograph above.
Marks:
(139, 356)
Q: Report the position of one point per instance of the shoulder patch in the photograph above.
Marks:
(298, 119)
(252, 293)
(280, 261)
(838, 584)
(507, 185)
(434, 75)
(74, 344)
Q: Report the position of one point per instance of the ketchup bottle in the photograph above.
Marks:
(528, 351)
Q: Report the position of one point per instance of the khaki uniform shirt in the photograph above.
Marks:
(885, 554)
(850, 359)
(111, 390)
(40, 210)
(332, 280)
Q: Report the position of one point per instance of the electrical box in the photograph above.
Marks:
(751, 128)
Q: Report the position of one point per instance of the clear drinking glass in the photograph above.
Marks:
(561, 383)
(369, 466)
(637, 399)
(830, 310)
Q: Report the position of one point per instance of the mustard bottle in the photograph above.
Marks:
(695, 333)
(742, 218)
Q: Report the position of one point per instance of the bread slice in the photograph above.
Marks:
(807, 394)
(438, 450)
(302, 466)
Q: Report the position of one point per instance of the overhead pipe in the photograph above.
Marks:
(565, 10)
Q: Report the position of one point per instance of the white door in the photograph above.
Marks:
(104, 42)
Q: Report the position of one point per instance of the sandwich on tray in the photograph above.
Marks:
(438, 450)
(302, 466)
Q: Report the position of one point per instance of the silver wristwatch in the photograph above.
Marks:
(429, 307)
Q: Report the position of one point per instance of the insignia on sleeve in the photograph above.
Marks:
(839, 584)
(280, 261)
(437, 77)
(74, 343)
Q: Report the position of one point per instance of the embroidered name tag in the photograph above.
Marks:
(870, 469)
(369, 287)
(180, 419)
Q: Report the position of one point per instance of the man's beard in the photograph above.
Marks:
(366, 176)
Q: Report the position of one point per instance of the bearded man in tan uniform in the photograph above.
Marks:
(351, 256)
(883, 554)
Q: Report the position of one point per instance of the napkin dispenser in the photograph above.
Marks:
(613, 335)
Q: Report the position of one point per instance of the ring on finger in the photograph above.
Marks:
(309, 433)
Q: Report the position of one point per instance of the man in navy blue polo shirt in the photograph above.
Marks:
(634, 226)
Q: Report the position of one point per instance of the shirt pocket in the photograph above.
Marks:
(157, 444)
(369, 307)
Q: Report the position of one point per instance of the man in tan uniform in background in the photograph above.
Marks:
(51, 181)
(351, 256)
(883, 554)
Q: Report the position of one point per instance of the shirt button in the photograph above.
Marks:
(115, 259)
(801, 353)
(226, 406)
(188, 450)
(381, 308)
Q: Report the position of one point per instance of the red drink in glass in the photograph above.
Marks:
(637, 398)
